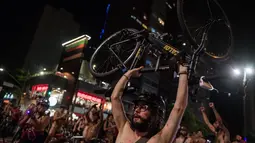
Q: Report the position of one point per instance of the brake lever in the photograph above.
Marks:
(206, 85)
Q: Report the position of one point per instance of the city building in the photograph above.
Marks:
(56, 26)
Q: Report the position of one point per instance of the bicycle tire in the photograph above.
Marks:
(91, 64)
(193, 42)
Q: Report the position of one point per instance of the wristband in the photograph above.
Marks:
(126, 76)
(183, 73)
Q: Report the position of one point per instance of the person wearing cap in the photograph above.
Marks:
(139, 129)
(59, 119)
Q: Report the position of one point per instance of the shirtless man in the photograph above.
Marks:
(58, 120)
(93, 122)
(136, 131)
(110, 129)
(183, 136)
(34, 123)
(79, 126)
(221, 132)
(199, 137)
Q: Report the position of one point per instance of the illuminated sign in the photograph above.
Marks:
(40, 87)
(88, 96)
(6, 101)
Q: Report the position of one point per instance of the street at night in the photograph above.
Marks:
(114, 71)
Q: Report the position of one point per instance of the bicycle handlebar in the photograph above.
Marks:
(146, 70)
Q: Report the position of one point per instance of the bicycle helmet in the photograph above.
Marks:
(148, 98)
(44, 102)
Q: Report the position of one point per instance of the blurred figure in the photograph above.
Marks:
(34, 123)
(218, 128)
(16, 114)
(79, 126)
(238, 139)
(198, 137)
(59, 119)
(93, 122)
(182, 136)
(110, 129)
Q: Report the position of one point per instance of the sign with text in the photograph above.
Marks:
(39, 90)
(8, 84)
(88, 96)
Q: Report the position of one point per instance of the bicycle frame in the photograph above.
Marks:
(167, 48)
(147, 38)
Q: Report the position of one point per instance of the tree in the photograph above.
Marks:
(22, 76)
(191, 121)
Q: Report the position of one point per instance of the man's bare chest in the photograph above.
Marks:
(130, 137)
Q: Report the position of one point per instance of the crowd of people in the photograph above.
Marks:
(36, 126)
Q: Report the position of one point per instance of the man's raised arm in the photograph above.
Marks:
(168, 132)
(217, 115)
(206, 120)
(117, 108)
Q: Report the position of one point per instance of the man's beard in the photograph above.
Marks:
(141, 126)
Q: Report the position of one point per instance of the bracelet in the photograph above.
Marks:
(183, 73)
(126, 76)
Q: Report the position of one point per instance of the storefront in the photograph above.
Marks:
(55, 94)
(85, 100)
(38, 90)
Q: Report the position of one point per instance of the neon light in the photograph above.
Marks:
(40, 87)
(105, 22)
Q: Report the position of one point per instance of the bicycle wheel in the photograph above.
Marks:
(103, 62)
(219, 33)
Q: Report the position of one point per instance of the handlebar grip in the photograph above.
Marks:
(147, 70)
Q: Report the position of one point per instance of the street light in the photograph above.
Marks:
(236, 71)
(246, 71)
(3, 70)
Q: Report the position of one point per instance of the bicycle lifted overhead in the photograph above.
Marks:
(131, 45)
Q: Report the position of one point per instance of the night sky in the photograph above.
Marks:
(19, 21)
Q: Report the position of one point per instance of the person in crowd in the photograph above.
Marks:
(182, 136)
(58, 121)
(141, 128)
(93, 123)
(198, 137)
(238, 139)
(79, 126)
(7, 109)
(16, 113)
(110, 129)
(221, 132)
(34, 123)
(20, 128)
